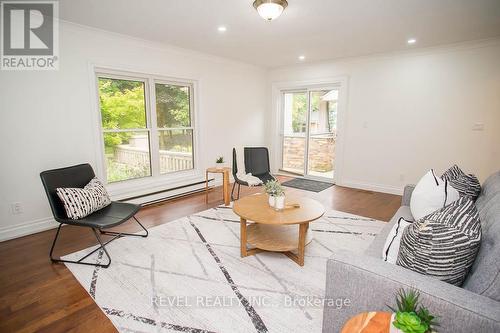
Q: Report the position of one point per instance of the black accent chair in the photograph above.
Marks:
(115, 214)
(235, 176)
(256, 163)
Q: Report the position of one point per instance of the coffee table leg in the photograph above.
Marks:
(302, 242)
(243, 237)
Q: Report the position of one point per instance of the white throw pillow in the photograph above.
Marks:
(431, 194)
(81, 202)
(391, 247)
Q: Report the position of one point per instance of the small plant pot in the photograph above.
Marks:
(279, 203)
(394, 329)
(219, 165)
(272, 201)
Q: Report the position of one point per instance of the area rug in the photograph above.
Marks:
(187, 276)
(307, 184)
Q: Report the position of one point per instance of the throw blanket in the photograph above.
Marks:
(250, 179)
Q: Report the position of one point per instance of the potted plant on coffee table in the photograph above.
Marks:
(276, 194)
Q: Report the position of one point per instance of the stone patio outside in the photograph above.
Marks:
(321, 154)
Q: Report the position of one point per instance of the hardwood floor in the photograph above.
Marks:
(36, 295)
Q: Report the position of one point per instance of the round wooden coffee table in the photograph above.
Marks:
(273, 230)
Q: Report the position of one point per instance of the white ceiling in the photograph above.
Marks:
(318, 29)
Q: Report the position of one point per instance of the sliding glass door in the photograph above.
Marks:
(322, 133)
(294, 131)
(309, 132)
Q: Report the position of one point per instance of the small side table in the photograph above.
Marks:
(225, 183)
(369, 322)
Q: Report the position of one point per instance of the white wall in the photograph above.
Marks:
(48, 118)
(418, 109)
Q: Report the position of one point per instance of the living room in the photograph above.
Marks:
(269, 166)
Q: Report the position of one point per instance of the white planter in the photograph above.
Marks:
(394, 329)
(219, 165)
(279, 203)
(271, 200)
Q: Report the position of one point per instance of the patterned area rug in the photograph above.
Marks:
(187, 276)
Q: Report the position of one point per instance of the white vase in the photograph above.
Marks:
(219, 165)
(271, 200)
(279, 203)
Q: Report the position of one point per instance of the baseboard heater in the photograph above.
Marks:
(169, 197)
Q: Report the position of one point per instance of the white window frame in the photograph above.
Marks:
(156, 179)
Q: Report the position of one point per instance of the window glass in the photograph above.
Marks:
(172, 106)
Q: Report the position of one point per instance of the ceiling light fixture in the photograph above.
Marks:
(412, 41)
(302, 58)
(270, 9)
(222, 28)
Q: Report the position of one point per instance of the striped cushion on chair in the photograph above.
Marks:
(81, 202)
(443, 244)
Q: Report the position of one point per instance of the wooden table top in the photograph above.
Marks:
(218, 170)
(256, 208)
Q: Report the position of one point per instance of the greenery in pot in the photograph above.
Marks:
(411, 317)
(274, 188)
(219, 160)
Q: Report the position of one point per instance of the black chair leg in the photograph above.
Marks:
(122, 234)
(80, 261)
(232, 192)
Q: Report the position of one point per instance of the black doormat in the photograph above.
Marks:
(307, 184)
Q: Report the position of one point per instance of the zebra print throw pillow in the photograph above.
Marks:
(443, 244)
(81, 202)
(466, 185)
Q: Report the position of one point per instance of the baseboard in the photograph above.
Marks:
(27, 228)
(173, 193)
(372, 187)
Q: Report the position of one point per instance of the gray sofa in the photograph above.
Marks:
(369, 284)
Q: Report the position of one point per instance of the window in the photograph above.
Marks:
(143, 138)
(175, 133)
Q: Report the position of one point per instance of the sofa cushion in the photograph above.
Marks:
(375, 248)
(466, 185)
(431, 194)
(484, 277)
(490, 187)
(390, 250)
(443, 244)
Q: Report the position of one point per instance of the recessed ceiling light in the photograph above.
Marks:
(222, 28)
(302, 58)
(412, 41)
